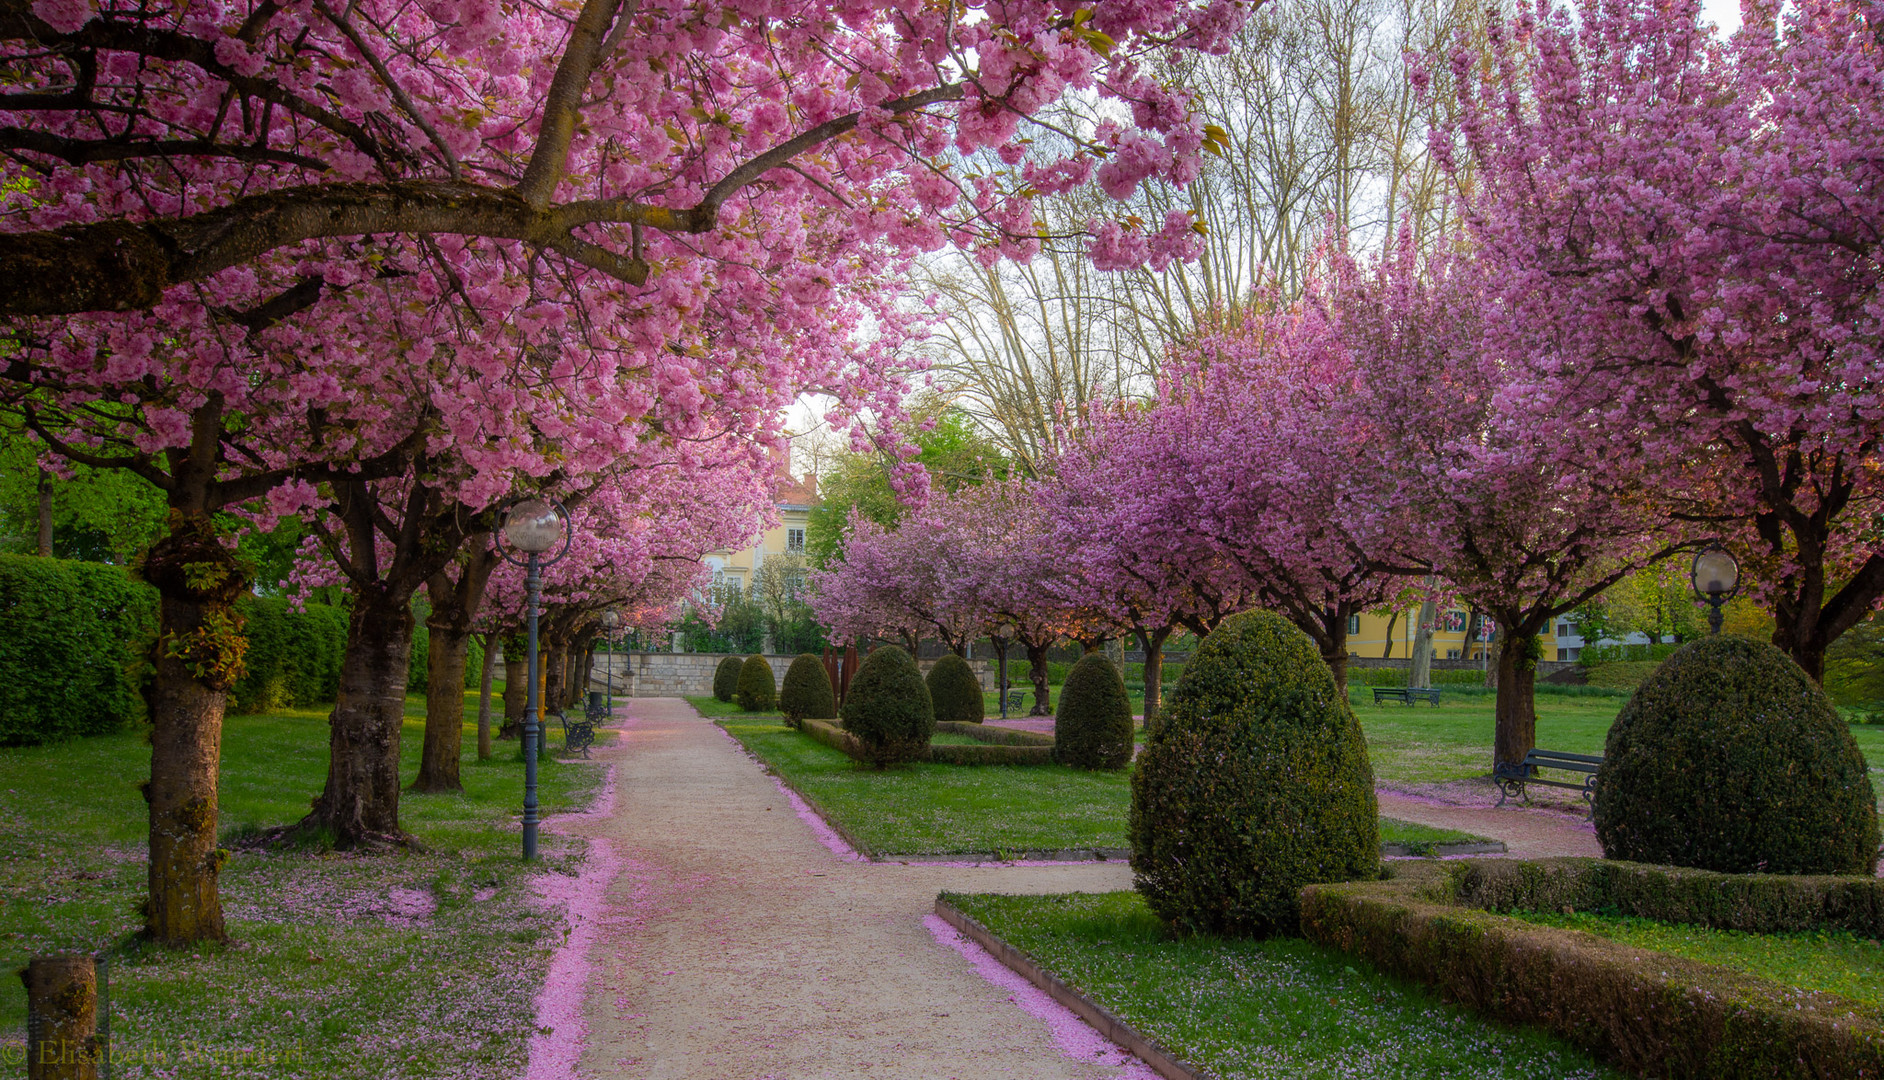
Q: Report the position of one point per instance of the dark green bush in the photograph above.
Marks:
(1730, 758)
(888, 708)
(1256, 784)
(726, 678)
(807, 693)
(1093, 727)
(954, 691)
(758, 687)
(293, 658)
(75, 641)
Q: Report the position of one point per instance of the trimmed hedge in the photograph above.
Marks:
(294, 656)
(1093, 727)
(1731, 758)
(996, 734)
(954, 691)
(75, 640)
(888, 708)
(807, 692)
(1651, 1013)
(726, 678)
(1755, 903)
(1256, 784)
(757, 685)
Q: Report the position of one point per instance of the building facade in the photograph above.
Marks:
(786, 539)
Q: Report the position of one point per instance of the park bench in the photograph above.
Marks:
(1512, 779)
(1014, 698)
(577, 734)
(1405, 694)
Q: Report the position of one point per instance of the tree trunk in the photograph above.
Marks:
(198, 655)
(360, 804)
(1334, 644)
(551, 692)
(1392, 620)
(446, 651)
(1421, 674)
(516, 690)
(1153, 644)
(1037, 672)
(485, 679)
(45, 513)
(1516, 732)
(1000, 670)
(62, 1007)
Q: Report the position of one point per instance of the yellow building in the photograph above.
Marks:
(1392, 636)
(786, 539)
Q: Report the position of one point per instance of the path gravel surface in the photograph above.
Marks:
(734, 945)
(1528, 832)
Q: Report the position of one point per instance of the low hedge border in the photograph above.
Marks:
(998, 735)
(1442, 851)
(998, 752)
(1756, 903)
(1162, 1061)
(1647, 1012)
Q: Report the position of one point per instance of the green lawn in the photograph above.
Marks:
(1263, 1009)
(1836, 962)
(1421, 744)
(329, 972)
(955, 809)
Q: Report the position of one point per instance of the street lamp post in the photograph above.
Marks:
(1715, 577)
(611, 621)
(532, 526)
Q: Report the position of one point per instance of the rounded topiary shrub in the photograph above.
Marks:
(758, 687)
(1093, 727)
(1255, 784)
(807, 693)
(726, 678)
(1730, 758)
(888, 707)
(954, 691)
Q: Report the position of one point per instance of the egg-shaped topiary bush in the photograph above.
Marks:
(1730, 758)
(1093, 727)
(1256, 784)
(888, 709)
(758, 687)
(954, 691)
(807, 693)
(726, 678)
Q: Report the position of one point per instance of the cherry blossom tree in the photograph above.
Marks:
(260, 248)
(1682, 241)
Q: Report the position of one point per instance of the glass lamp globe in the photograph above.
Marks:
(533, 526)
(611, 619)
(1716, 573)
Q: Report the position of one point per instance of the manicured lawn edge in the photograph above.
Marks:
(988, 753)
(1651, 1013)
(1162, 1061)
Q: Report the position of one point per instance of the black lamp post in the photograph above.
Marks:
(532, 526)
(1715, 578)
(611, 621)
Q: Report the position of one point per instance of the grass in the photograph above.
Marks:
(334, 969)
(1420, 744)
(710, 706)
(1836, 962)
(1245, 1010)
(931, 809)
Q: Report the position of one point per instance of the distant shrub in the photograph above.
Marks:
(888, 708)
(294, 656)
(726, 678)
(75, 641)
(1731, 758)
(954, 691)
(757, 685)
(1256, 784)
(1093, 727)
(807, 693)
(1592, 655)
(1622, 674)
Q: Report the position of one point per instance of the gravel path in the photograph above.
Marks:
(1528, 832)
(733, 945)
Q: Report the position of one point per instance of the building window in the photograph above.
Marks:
(1354, 624)
(1563, 629)
(1452, 654)
(1562, 655)
(795, 540)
